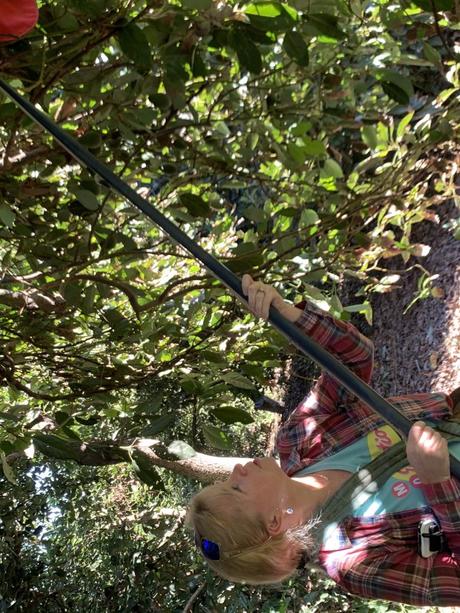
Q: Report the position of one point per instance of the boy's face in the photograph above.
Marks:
(259, 484)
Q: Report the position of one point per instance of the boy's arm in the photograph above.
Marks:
(343, 341)
(302, 434)
(340, 338)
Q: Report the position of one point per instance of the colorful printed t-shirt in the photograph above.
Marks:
(401, 492)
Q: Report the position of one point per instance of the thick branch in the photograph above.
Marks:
(203, 467)
(32, 300)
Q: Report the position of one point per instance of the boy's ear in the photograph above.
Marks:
(275, 522)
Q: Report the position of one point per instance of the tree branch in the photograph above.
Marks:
(205, 468)
(189, 606)
(121, 285)
(32, 301)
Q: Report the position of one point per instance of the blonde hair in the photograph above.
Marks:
(258, 558)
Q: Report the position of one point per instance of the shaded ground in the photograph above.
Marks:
(420, 351)
(414, 352)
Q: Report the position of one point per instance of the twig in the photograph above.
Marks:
(124, 287)
(10, 143)
(193, 597)
(439, 32)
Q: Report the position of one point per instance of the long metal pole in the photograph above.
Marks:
(308, 346)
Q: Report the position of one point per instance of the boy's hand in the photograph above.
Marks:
(428, 453)
(261, 296)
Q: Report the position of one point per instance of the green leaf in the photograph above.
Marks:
(93, 8)
(395, 92)
(255, 213)
(238, 380)
(162, 101)
(7, 470)
(190, 385)
(7, 447)
(325, 24)
(87, 199)
(396, 85)
(215, 437)
(432, 54)
(145, 116)
(213, 356)
(103, 398)
(151, 405)
(72, 294)
(248, 54)
(440, 5)
(200, 5)
(68, 22)
(335, 303)
(365, 308)
(232, 415)
(87, 305)
(271, 16)
(135, 45)
(21, 443)
(157, 424)
(313, 148)
(308, 217)
(88, 421)
(402, 125)
(369, 136)
(221, 129)
(144, 470)
(313, 292)
(331, 169)
(297, 153)
(195, 205)
(91, 140)
(181, 449)
(216, 389)
(7, 216)
(176, 73)
(261, 354)
(118, 322)
(69, 433)
(62, 417)
(246, 263)
(296, 48)
(270, 10)
(54, 446)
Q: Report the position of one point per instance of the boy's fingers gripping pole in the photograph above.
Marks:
(354, 384)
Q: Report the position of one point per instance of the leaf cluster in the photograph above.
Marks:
(299, 142)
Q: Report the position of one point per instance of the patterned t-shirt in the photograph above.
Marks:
(401, 492)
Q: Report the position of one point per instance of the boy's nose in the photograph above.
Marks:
(239, 469)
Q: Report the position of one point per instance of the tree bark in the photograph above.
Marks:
(203, 467)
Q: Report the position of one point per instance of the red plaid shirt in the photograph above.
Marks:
(375, 557)
(17, 17)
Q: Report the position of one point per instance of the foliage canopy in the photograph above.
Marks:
(297, 141)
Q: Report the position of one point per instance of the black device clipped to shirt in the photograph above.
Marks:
(430, 538)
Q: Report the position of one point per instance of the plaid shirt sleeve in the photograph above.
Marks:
(345, 342)
(328, 397)
(444, 499)
(391, 569)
